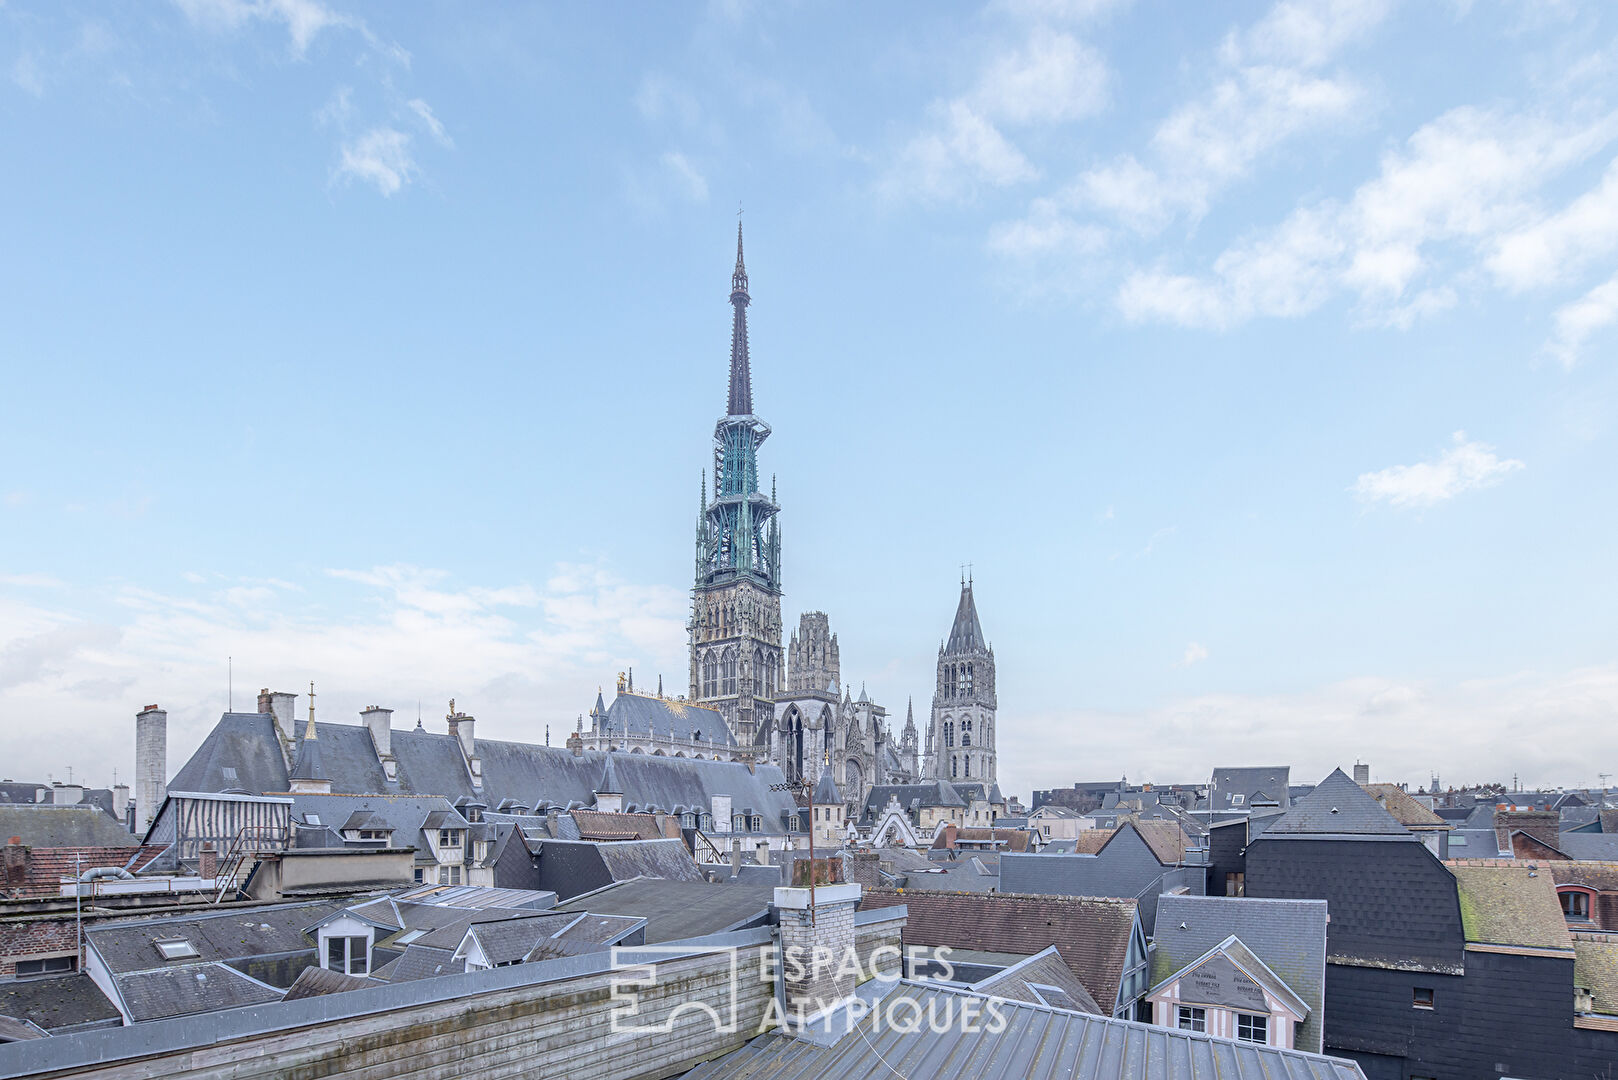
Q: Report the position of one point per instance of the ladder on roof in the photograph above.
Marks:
(250, 842)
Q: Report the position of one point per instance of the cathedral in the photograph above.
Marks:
(750, 698)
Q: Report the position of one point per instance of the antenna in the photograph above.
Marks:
(230, 684)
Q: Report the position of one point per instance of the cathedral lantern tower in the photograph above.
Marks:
(736, 602)
(961, 731)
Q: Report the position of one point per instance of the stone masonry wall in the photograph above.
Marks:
(827, 977)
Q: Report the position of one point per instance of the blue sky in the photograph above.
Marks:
(1259, 358)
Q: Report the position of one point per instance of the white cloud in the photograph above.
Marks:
(519, 655)
(1463, 466)
(1577, 321)
(31, 581)
(303, 19)
(1551, 249)
(1195, 653)
(1045, 11)
(1404, 729)
(1310, 32)
(1460, 182)
(26, 74)
(424, 113)
(690, 181)
(962, 152)
(1054, 79)
(381, 157)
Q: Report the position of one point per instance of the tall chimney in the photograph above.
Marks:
(379, 722)
(281, 706)
(1362, 774)
(151, 764)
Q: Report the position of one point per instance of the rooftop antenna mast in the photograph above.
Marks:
(230, 684)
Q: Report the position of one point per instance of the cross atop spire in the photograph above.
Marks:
(741, 374)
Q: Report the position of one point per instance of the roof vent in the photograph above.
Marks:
(1334, 809)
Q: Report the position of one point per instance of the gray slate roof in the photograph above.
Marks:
(679, 909)
(430, 763)
(64, 1003)
(1042, 979)
(128, 945)
(1265, 783)
(1289, 936)
(1599, 847)
(1035, 1041)
(45, 825)
(1338, 807)
(966, 633)
(189, 989)
(639, 714)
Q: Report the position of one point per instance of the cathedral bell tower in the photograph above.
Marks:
(961, 731)
(735, 623)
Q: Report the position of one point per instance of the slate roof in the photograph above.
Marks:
(674, 910)
(316, 981)
(1289, 936)
(430, 763)
(973, 873)
(1338, 807)
(966, 633)
(954, 836)
(629, 859)
(1093, 935)
(826, 793)
(1232, 951)
(127, 945)
(1595, 968)
(404, 816)
(1262, 783)
(1035, 1041)
(49, 826)
(642, 714)
(508, 940)
(1512, 906)
(189, 989)
(599, 825)
(59, 1004)
(1591, 846)
(1032, 980)
(422, 962)
(14, 1030)
(1405, 809)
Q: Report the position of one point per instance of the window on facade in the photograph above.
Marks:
(1235, 884)
(969, 678)
(727, 673)
(419, 875)
(710, 676)
(949, 734)
(1192, 1018)
(758, 823)
(454, 874)
(688, 821)
(1252, 1028)
(738, 823)
(953, 768)
(1422, 997)
(50, 965)
(966, 767)
(347, 955)
(707, 823)
(449, 838)
(1576, 905)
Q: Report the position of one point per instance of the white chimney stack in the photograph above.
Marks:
(151, 764)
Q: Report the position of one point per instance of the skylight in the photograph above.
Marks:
(176, 949)
(229, 771)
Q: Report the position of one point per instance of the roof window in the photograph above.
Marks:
(176, 949)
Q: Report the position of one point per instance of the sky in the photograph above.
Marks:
(1258, 358)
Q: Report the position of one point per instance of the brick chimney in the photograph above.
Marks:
(280, 706)
(816, 945)
(461, 726)
(208, 863)
(151, 764)
(575, 743)
(14, 867)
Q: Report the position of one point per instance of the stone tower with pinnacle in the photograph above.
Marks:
(961, 731)
(735, 627)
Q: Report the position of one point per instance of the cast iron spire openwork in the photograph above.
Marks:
(741, 539)
(741, 375)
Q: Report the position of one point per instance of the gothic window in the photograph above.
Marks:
(710, 676)
(759, 685)
(966, 732)
(727, 673)
(969, 678)
(949, 733)
(960, 680)
(954, 767)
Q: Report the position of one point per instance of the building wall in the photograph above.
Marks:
(1226, 845)
(35, 939)
(1370, 1011)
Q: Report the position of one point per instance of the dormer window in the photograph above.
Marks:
(758, 823)
(1575, 904)
(688, 821)
(707, 823)
(348, 955)
(738, 823)
(449, 838)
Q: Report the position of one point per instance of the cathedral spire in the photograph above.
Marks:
(741, 375)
